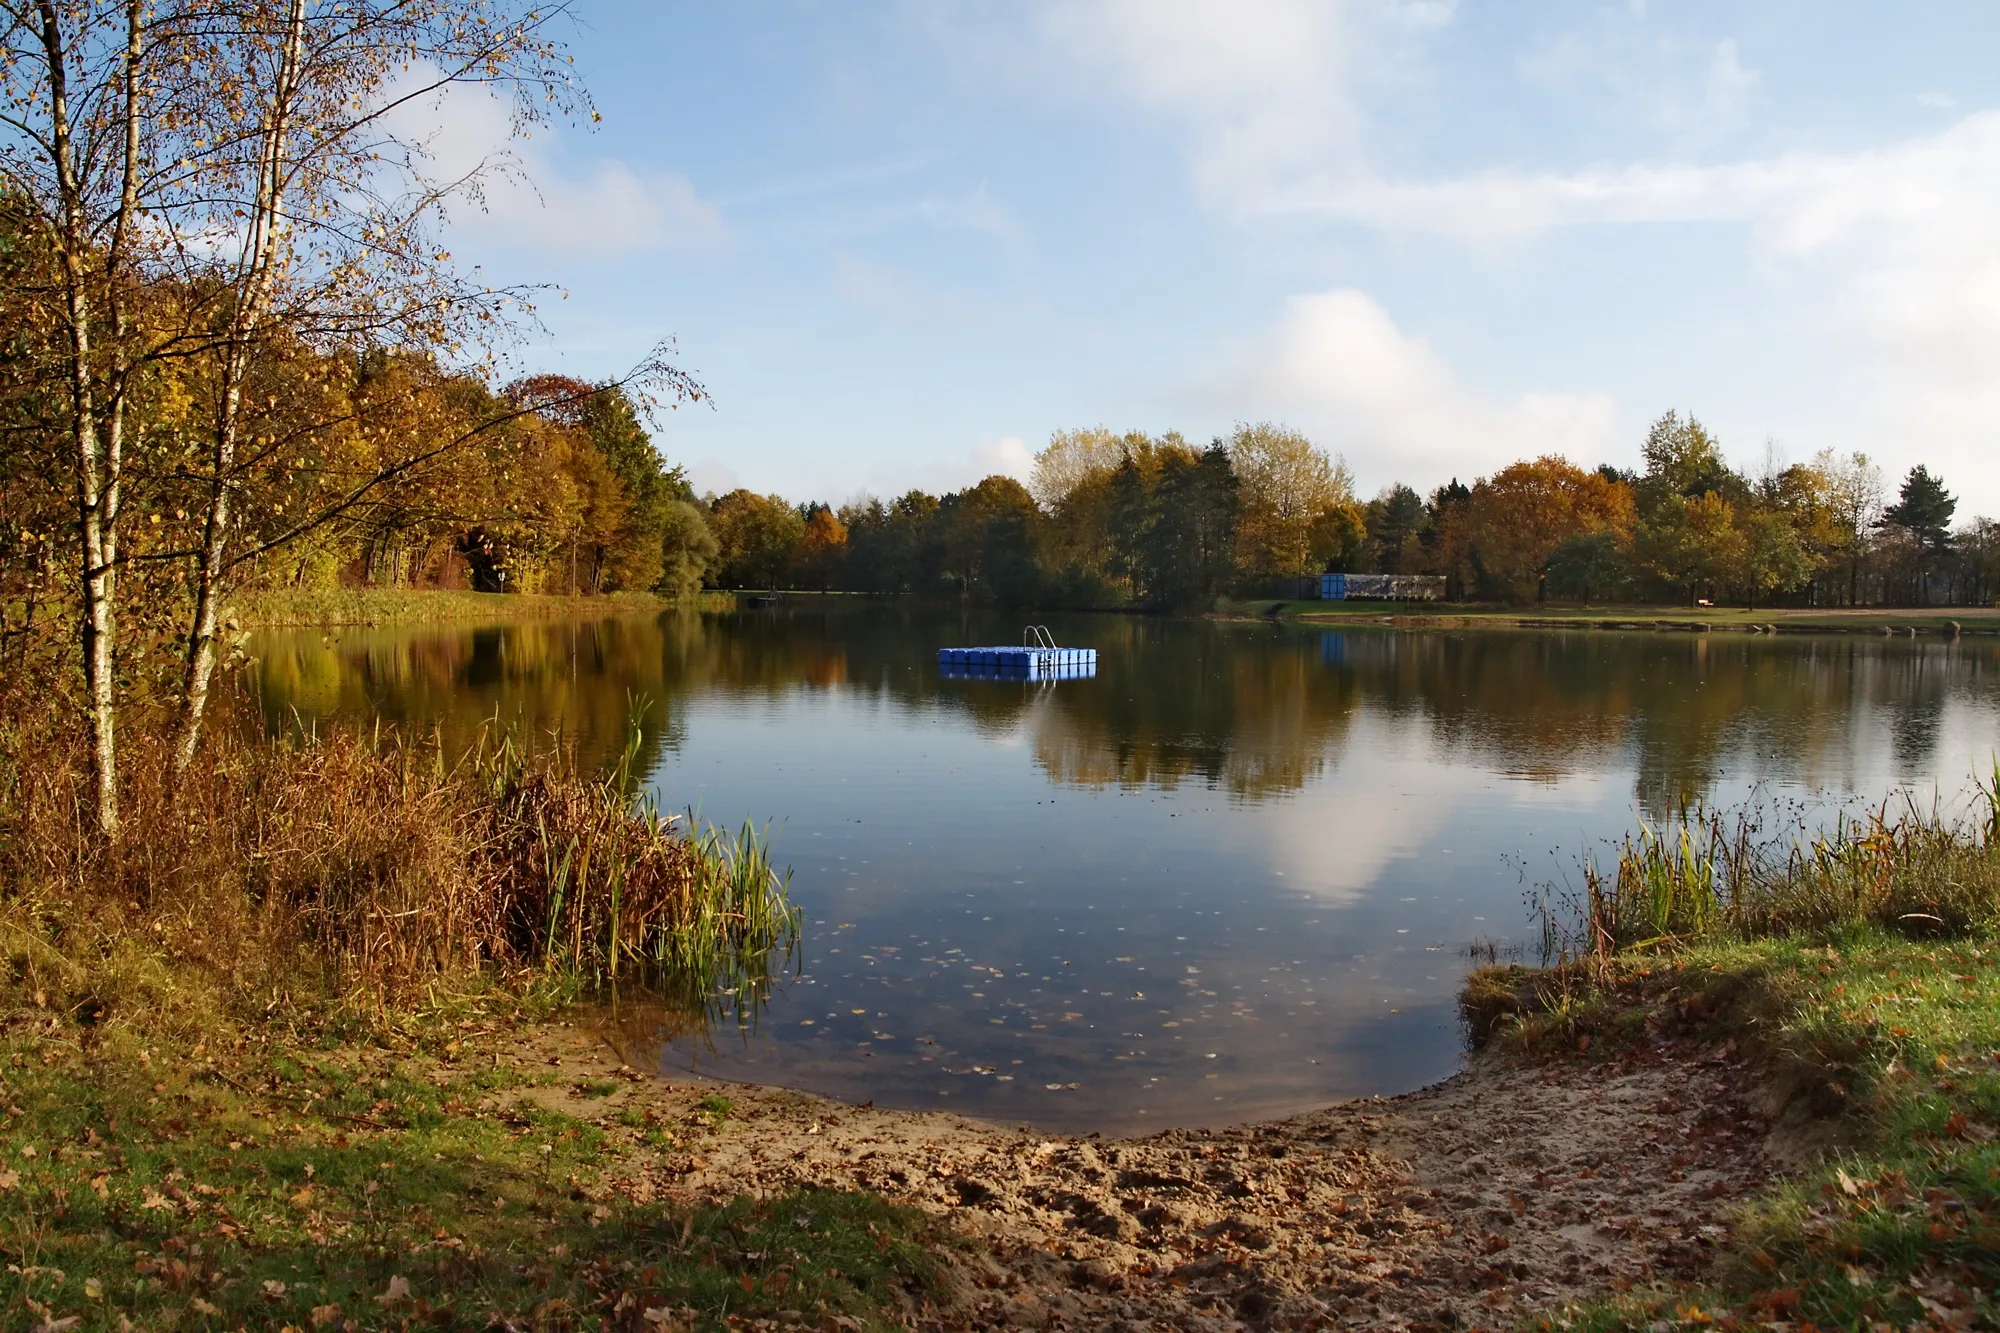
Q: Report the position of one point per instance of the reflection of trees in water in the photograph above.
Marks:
(568, 680)
(1230, 708)
(1537, 706)
(1682, 707)
(1251, 710)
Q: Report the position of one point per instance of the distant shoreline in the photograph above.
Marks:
(305, 609)
(1788, 620)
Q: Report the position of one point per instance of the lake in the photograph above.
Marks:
(1233, 876)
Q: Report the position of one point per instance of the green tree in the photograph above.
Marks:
(1683, 459)
(1175, 513)
(754, 536)
(1774, 556)
(1395, 519)
(986, 542)
(1689, 542)
(687, 549)
(1924, 509)
(623, 541)
(1589, 565)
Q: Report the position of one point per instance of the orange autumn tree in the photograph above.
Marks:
(1519, 516)
(821, 551)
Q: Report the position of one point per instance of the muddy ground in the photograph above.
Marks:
(1509, 1189)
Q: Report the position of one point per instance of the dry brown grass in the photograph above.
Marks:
(368, 868)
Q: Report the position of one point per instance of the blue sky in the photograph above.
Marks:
(903, 242)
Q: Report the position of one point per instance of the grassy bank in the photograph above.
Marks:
(263, 1177)
(259, 1062)
(278, 608)
(1420, 615)
(1861, 970)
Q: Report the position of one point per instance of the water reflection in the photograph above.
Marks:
(1247, 842)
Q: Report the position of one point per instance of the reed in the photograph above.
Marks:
(369, 865)
(1755, 872)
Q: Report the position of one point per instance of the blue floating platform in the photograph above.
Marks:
(1017, 663)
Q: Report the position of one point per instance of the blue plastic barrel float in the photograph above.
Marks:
(1037, 657)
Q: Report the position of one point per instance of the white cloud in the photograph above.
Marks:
(1006, 456)
(1896, 244)
(1937, 101)
(1338, 366)
(1799, 203)
(534, 197)
(1262, 83)
(1883, 257)
(712, 476)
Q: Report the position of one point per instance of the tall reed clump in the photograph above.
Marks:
(1708, 874)
(365, 864)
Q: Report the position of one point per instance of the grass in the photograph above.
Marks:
(274, 608)
(252, 1182)
(1757, 872)
(1861, 969)
(374, 867)
(251, 1066)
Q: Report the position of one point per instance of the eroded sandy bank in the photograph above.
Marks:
(1507, 1189)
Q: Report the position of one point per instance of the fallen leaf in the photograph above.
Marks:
(274, 1289)
(324, 1315)
(93, 1289)
(200, 1306)
(398, 1290)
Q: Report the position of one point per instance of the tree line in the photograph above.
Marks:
(1132, 520)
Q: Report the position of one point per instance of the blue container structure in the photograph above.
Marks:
(1036, 658)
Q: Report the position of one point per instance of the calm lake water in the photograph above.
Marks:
(1233, 876)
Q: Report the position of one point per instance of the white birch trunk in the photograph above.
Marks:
(261, 246)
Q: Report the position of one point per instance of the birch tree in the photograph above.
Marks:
(90, 92)
(215, 178)
(320, 213)
(1297, 504)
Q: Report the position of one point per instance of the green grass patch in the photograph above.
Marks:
(248, 1183)
(1886, 1045)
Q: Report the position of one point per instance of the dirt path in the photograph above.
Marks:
(1507, 1189)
